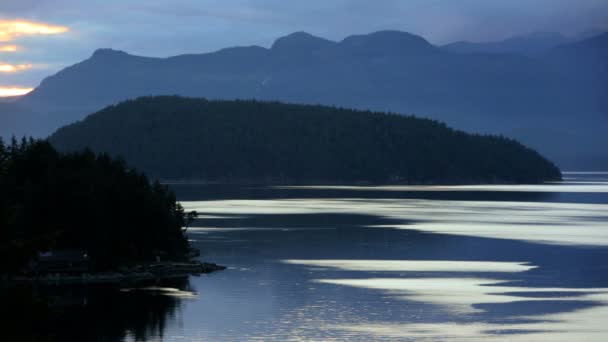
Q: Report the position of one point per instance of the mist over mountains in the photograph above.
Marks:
(549, 96)
(529, 45)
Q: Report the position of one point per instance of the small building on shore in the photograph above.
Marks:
(61, 261)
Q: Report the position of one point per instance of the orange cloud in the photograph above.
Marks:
(10, 68)
(8, 48)
(10, 29)
(14, 91)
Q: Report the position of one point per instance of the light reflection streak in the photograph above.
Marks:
(597, 187)
(460, 295)
(469, 292)
(539, 222)
(581, 325)
(164, 291)
(239, 229)
(416, 265)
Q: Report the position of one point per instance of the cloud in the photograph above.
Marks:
(11, 29)
(8, 48)
(167, 28)
(9, 68)
(19, 63)
(13, 91)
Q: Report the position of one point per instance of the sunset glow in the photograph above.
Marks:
(10, 29)
(8, 48)
(14, 91)
(10, 68)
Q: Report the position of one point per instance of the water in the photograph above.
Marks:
(420, 263)
(515, 263)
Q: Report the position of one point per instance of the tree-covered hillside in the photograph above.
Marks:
(86, 202)
(553, 102)
(251, 141)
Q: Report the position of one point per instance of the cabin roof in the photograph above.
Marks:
(63, 255)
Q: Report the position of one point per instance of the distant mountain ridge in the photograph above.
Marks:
(546, 101)
(529, 44)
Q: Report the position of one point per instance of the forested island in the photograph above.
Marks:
(176, 138)
(87, 220)
(82, 212)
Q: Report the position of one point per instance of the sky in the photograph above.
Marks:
(40, 37)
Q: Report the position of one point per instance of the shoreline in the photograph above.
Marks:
(280, 183)
(154, 271)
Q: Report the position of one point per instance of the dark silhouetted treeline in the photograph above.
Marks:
(82, 201)
(251, 141)
(80, 313)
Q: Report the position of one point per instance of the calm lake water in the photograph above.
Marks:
(463, 263)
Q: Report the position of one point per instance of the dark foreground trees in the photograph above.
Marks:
(82, 201)
(251, 141)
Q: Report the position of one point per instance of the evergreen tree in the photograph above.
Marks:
(83, 201)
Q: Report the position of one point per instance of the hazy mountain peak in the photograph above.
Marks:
(594, 32)
(108, 53)
(591, 49)
(600, 38)
(543, 35)
(597, 42)
(301, 41)
(383, 41)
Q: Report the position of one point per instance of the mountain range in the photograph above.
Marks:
(552, 99)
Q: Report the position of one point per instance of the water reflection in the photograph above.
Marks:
(362, 265)
(463, 295)
(94, 313)
(541, 222)
(417, 265)
(582, 187)
(584, 325)
(393, 265)
(542, 193)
